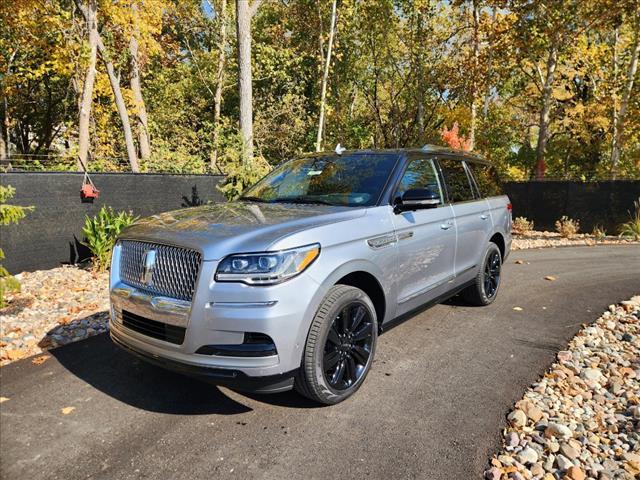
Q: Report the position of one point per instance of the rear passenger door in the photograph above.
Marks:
(472, 219)
(490, 188)
(426, 239)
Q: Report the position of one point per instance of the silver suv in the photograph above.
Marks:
(290, 285)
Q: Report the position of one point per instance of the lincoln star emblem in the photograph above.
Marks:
(149, 262)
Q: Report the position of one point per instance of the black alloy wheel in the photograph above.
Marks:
(348, 346)
(492, 268)
(340, 346)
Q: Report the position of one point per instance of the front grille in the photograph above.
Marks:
(151, 328)
(174, 274)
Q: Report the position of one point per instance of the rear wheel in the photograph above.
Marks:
(487, 282)
(340, 346)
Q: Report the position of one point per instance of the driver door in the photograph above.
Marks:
(426, 240)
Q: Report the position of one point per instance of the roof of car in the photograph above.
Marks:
(424, 149)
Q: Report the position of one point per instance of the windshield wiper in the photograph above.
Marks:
(302, 199)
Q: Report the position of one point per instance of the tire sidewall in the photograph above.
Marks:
(492, 247)
(330, 394)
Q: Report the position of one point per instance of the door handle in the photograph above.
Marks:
(484, 217)
(446, 226)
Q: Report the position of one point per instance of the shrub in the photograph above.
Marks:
(599, 232)
(9, 214)
(101, 232)
(522, 225)
(632, 227)
(238, 177)
(567, 227)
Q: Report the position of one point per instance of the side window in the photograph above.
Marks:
(486, 178)
(457, 180)
(420, 173)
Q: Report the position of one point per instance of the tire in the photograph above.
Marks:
(330, 336)
(484, 291)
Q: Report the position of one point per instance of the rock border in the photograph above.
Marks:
(581, 420)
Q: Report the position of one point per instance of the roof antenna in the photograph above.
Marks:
(340, 149)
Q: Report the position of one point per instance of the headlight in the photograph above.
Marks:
(266, 268)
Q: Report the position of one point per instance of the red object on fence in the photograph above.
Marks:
(89, 191)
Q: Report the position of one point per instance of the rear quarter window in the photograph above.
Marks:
(486, 179)
(457, 181)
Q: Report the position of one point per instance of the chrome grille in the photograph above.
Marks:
(175, 272)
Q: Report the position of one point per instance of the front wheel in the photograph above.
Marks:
(487, 282)
(340, 346)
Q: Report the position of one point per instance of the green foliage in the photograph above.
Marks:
(401, 71)
(239, 177)
(9, 214)
(101, 233)
(567, 227)
(632, 227)
(8, 283)
(599, 232)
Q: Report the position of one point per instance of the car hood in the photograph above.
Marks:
(221, 229)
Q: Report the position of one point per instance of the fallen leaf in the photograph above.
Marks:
(68, 410)
(3, 399)
(519, 262)
(40, 360)
(551, 278)
(517, 309)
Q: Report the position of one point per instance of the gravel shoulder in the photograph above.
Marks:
(537, 239)
(54, 307)
(582, 418)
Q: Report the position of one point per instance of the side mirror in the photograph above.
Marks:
(417, 199)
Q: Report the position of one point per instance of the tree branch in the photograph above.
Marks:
(253, 7)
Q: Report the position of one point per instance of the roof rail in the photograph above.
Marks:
(438, 148)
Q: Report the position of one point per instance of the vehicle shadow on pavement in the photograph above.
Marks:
(124, 377)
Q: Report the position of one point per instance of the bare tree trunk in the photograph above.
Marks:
(614, 93)
(487, 92)
(474, 75)
(117, 93)
(222, 60)
(545, 109)
(244, 13)
(121, 107)
(4, 129)
(90, 14)
(136, 88)
(618, 141)
(325, 76)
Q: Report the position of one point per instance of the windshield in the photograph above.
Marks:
(349, 180)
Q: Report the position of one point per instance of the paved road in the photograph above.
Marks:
(432, 407)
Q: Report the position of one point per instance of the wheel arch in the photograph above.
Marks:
(370, 285)
(498, 239)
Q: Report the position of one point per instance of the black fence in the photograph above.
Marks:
(51, 234)
(604, 204)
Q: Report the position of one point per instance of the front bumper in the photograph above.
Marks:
(221, 314)
(235, 379)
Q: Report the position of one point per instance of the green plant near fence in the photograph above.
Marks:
(101, 233)
(9, 214)
(632, 227)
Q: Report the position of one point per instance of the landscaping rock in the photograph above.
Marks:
(536, 239)
(582, 418)
(55, 307)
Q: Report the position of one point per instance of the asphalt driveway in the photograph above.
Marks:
(432, 407)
